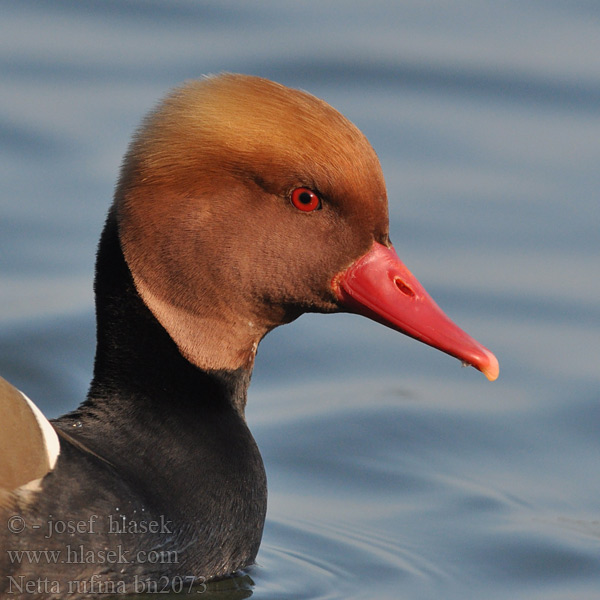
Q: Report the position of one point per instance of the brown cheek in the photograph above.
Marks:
(319, 246)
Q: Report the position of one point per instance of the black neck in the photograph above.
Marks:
(147, 405)
(131, 341)
(174, 432)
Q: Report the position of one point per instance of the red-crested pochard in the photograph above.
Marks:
(241, 205)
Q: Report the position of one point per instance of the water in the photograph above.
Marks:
(393, 473)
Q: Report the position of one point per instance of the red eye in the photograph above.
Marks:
(305, 199)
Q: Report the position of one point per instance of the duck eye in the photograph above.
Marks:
(305, 200)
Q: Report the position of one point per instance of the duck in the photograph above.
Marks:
(241, 204)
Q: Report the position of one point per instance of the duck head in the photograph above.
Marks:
(243, 203)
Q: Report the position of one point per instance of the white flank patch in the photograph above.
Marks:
(50, 437)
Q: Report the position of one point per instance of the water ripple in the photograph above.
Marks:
(288, 561)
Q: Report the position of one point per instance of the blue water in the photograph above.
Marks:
(392, 472)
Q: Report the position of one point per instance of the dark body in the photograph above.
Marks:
(160, 471)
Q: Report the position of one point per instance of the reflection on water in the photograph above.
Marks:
(392, 472)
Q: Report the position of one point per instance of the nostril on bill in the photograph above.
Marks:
(404, 287)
